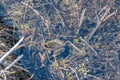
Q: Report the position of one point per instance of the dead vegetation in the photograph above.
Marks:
(68, 39)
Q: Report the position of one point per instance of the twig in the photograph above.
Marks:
(113, 13)
(57, 11)
(88, 45)
(74, 46)
(11, 50)
(81, 20)
(2, 72)
(13, 63)
(99, 23)
(37, 13)
(95, 77)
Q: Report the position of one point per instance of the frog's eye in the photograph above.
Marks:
(49, 45)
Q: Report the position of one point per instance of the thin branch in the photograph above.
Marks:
(113, 13)
(37, 13)
(11, 50)
(13, 63)
(81, 21)
(3, 72)
(88, 45)
(99, 22)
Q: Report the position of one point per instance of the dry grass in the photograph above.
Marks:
(68, 39)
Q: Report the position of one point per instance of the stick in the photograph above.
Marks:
(11, 50)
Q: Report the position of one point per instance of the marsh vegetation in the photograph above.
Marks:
(67, 39)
